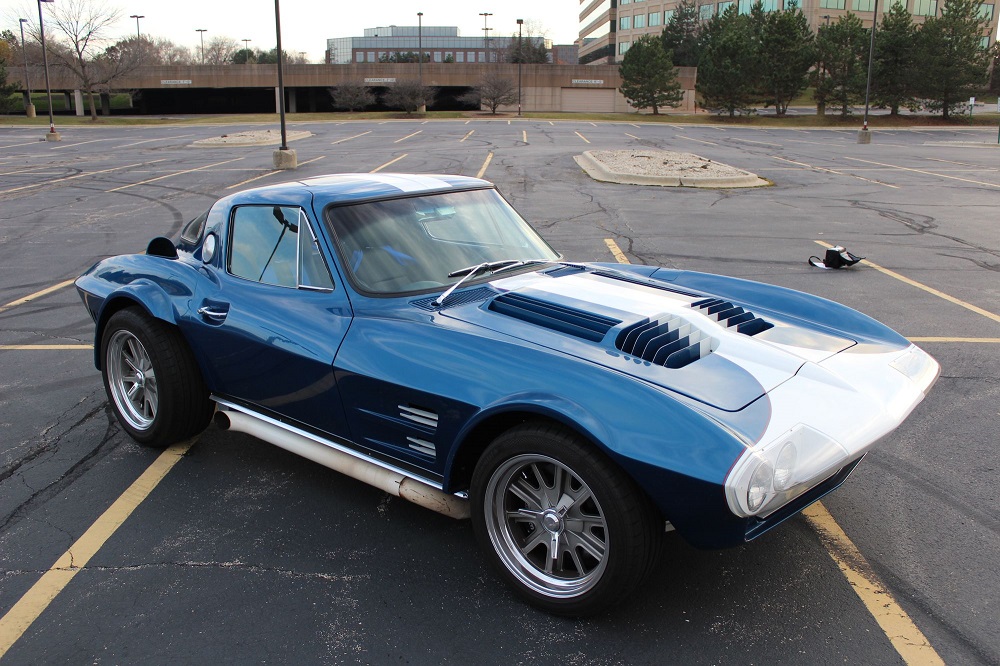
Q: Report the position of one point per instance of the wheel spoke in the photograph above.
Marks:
(588, 542)
(152, 399)
(525, 516)
(526, 494)
(553, 557)
(537, 539)
(133, 391)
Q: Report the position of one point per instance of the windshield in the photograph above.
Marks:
(412, 244)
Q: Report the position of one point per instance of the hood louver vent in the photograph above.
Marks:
(668, 341)
(586, 325)
(730, 314)
(456, 299)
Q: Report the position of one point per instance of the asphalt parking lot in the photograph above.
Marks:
(245, 553)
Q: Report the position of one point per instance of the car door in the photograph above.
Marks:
(269, 321)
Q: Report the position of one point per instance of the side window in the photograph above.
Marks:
(275, 245)
(195, 228)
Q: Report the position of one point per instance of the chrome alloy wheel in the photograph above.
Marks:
(546, 525)
(132, 380)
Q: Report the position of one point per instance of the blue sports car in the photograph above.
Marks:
(414, 332)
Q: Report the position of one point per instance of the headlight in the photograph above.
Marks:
(918, 366)
(769, 476)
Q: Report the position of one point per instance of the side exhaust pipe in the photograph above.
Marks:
(388, 481)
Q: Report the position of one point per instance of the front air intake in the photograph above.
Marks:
(579, 323)
(668, 341)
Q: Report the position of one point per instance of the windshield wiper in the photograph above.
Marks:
(467, 273)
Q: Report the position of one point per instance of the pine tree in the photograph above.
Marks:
(954, 62)
(843, 49)
(894, 65)
(786, 43)
(648, 77)
(680, 35)
(728, 69)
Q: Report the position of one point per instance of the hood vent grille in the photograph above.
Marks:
(668, 341)
(571, 321)
(456, 299)
(730, 315)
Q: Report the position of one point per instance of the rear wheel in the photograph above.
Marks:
(561, 522)
(152, 380)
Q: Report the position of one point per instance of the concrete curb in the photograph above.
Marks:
(599, 171)
(272, 139)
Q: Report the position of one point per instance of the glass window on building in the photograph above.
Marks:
(985, 12)
(624, 2)
(666, 16)
(437, 56)
(831, 4)
(482, 56)
(984, 43)
(655, 19)
(639, 21)
(770, 5)
(723, 6)
(359, 56)
(624, 22)
(370, 56)
(745, 6)
(925, 7)
(623, 47)
(460, 56)
(863, 5)
(705, 12)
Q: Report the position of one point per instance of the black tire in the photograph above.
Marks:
(570, 498)
(152, 381)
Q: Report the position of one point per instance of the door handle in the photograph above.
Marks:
(209, 312)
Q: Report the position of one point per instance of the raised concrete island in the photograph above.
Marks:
(664, 168)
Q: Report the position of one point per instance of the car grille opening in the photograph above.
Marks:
(669, 341)
(728, 313)
(571, 321)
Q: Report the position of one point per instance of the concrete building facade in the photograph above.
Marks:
(608, 27)
(441, 44)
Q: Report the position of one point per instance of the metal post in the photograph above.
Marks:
(246, 50)
(486, 34)
(865, 137)
(520, 59)
(420, 47)
(53, 135)
(202, 32)
(138, 35)
(283, 157)
(29, 108)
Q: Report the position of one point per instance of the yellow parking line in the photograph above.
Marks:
(80, 143)
(79, 175)
(921, 171)
(271, 173)
(616, 251)
(582, 137)
(486, 164)
(44, 347)
(37, 599)
(681, 136)
(379, 168)
(350, 137)
(37, 294)
(929, 290)
(408, 136)
(171, 175)
(466, 136)
(632, 136)
(839, 173)
(908, 641)
(972, 340)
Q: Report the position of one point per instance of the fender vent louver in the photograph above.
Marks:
(586, 325)
(423, 417)
(668, 341)
(730, 314)
(456, 299)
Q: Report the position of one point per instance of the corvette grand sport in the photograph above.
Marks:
(415, 333)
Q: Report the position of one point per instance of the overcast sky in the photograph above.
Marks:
(307, 24)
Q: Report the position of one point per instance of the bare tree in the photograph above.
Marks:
(493, 91)
(82, 27)
(220, 50)
(408, 95)
(352, 95)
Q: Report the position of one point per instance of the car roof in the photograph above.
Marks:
(351, 187)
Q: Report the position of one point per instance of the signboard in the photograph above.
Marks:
(596, 82)
(175, 82)
(392, 80)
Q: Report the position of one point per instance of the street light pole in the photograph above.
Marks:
(283, 157)
(29, 108)
(520, 58)
(138, 35)
(246, 50)
(420, 47)
(486, 34)
(864, 136)
(53, 135)
(202, 35)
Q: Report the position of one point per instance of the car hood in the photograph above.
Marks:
(709, 349)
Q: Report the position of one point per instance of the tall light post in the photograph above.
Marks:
(138, 35)
(283, 157)
(29, 108)
(53, 135)
(420, 47)
(246, 50)
(486, 34)
(863, 135)
(202, 32)
(520, 58)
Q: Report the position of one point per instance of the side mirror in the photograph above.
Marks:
(162, 247)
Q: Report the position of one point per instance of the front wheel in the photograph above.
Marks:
(561, 522)
(152, 380)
